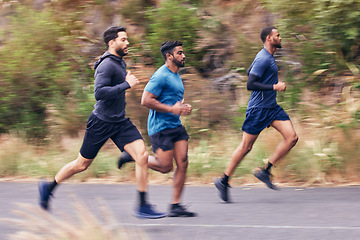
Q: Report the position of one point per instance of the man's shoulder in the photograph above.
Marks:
(162, 70)
(263, 53)
(111, 65)
(263, 57)
(161, 73)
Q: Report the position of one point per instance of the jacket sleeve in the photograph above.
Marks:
(103, 89)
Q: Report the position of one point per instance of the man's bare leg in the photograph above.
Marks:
(138, 152)
(72, 168)
(222, 184)
(181, 159)
(240, 152)
(290, 139)
(162, 162)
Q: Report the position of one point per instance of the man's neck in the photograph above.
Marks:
(172, 67)
(269, 48)
(113, 52)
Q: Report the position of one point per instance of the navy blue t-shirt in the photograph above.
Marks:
(169, 89)
(264, 67)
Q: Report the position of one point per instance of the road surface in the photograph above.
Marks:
(256, 212)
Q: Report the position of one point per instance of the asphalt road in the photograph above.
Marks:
(256, 212)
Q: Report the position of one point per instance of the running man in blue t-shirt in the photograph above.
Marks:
(163, 94)
(262, 111)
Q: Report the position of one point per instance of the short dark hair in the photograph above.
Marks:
(168, 47)
(266, 32)
(112, 33)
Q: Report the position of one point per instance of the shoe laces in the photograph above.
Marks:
(51, 195)
(183, 207)
(265, 171)
(151, 206)
(227, 185)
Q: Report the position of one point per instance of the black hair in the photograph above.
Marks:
(266, 32)
(112, 33)
(168, 47)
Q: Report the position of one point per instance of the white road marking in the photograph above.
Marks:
(239, 226)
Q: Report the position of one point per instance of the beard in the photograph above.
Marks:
(278, 45)
(121, 52)
(179, 63)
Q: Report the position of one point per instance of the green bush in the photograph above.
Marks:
(325, 32)
(173, 20)
(38, 70)
(135, 10)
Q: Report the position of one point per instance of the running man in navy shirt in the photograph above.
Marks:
(108, 120)
(262, 111)
(163, 94)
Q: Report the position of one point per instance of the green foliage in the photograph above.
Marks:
(338, 21)
(135, 10)
(38, 69)
(326, 32)
(239, 117)
(173, 20)
(291, 97)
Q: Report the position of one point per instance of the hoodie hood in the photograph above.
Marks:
(106, 55)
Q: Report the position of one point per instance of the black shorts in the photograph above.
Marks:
(165, 139)
(99, 131)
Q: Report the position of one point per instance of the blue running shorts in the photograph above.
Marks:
(165, 139)
(257, 119)
(99, 131)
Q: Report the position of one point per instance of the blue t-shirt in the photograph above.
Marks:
(169, 89)
(264, 67)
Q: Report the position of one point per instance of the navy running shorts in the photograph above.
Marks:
(165, 139)
(257, 119)
(99, 131)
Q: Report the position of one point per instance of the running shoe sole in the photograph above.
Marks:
(259, 174)
(43, 191)
(223, 192)
(148, 216)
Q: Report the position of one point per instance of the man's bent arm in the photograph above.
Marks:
(103, 88)
(254, 84)
(150, 100)
(110, 92)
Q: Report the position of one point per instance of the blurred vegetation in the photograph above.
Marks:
(41, 70)
(326, 33)
(173, 21)
(83, 223)
(46, 81)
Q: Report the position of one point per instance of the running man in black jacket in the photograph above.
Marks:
(108, 120)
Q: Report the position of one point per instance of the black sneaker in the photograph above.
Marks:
(264, 176)
(177, 210)
(124, 158)
(223, 190)
(45, 194)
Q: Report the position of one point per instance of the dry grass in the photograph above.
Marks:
(322, 156)
(37, 224)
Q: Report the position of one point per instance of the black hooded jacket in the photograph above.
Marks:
(110, 86)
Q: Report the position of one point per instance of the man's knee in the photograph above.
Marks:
(183, 165)
(246, 147)
(166, 168)
(293, 140)
(142, 157)
(82, 163)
